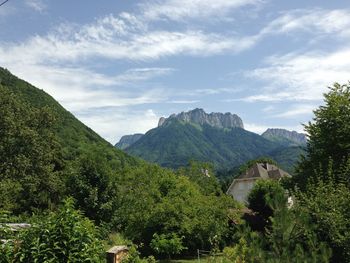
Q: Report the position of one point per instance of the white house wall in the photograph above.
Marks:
(240, 189)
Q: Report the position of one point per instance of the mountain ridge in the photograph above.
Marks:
(200, 117)
(283, 136)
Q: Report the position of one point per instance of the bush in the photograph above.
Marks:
(61, 238)
(167, 244)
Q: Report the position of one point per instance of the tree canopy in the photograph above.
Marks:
(29, 154)
(328, 147)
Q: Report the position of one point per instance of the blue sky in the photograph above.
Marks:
(120, 65)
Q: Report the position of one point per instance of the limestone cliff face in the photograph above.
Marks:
(128, 140)
(199, 116)
(281, 135)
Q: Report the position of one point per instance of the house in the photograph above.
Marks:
(242, 185)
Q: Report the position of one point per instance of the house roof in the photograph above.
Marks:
(260, 171)
(264, 171)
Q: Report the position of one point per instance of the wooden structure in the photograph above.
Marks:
(116, 254)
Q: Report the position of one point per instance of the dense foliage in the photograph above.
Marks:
(29, 154)
(261, 196)
(162, 203)
(289, 234)
(62, 237)
(328, 148)
(328, 205)
(323, 174)
(167, 244)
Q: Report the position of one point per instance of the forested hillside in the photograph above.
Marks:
(74, 137)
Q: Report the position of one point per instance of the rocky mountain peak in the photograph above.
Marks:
(199, 116)
(291, 136)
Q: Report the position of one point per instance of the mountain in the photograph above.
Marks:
(200, 117)
(127, 140)
(215, 137)
(285, 137)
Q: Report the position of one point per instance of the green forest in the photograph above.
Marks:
(81, 195)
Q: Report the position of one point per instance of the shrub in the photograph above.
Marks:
(167, 244)
(260, 198)
(65, 236)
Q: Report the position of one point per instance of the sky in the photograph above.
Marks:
(119, 66)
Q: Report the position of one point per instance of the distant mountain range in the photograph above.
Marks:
(215, 137)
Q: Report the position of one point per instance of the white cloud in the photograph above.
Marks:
(119, 38)
(78, 88)
(297, 110)
(37, 5)
(269, 108)
(265, 97)
(183, 101)
(59, 61)
(314, 21)
(301, 77)
(179, 10)
(215, 91)
(112, 124)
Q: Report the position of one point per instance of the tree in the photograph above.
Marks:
(328, 205)
(323, 174)
(259, 200)
(29, 156)
(328, 147)
(93, 187)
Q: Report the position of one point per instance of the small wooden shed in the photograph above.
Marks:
(116, 254)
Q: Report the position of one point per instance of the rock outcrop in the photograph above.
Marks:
(128, 140)
(199, 116)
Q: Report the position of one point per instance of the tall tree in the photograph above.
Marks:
(328, 148)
